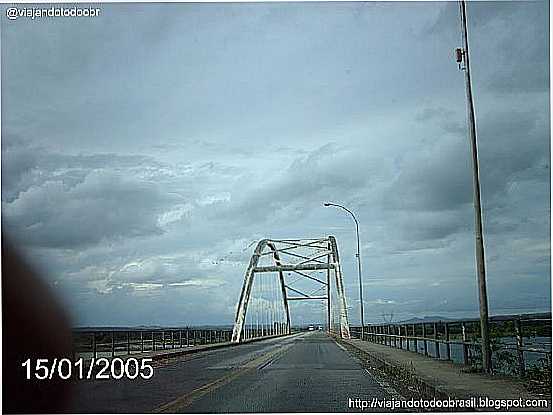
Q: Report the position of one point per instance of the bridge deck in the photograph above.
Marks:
(312, 375)
(308, 372)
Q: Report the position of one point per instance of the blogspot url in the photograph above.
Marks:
(14, 13)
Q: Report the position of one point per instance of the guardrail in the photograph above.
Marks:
(111, 343)
(516, 340)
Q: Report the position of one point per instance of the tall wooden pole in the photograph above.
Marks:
(480, 261)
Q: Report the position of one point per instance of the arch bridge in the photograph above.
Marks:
(283, 271)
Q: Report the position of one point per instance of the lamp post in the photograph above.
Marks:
(462, 55)
(358, 255)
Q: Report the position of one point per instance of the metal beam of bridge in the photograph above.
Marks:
(302, 267)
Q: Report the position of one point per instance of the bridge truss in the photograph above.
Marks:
(280, 272)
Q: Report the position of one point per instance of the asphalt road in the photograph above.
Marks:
(304, 373)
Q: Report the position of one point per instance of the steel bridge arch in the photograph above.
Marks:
(312, 263)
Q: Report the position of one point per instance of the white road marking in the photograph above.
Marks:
(341, 347)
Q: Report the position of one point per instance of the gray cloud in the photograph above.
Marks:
(102, 206)
(520, 63)
(328, 170)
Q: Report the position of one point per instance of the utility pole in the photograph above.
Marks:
(463, 55)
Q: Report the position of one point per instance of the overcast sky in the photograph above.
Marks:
(144, 150)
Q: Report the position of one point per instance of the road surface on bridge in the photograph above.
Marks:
(308, 372)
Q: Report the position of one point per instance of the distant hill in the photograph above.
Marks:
(425, 319)
(503, 317)
(153, 327)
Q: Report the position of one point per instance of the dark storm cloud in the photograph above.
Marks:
(27, 165)
(519, 57)
(510, 143)
(57, 200)
(104, 206)
(290, 193)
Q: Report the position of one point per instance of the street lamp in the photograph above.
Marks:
(358, 255)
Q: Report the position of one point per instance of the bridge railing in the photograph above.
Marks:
(108, 343)
(519, 342)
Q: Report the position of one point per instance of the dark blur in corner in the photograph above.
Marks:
(34, 327)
